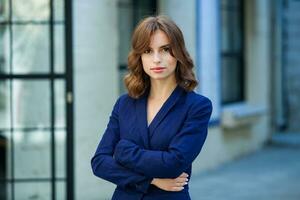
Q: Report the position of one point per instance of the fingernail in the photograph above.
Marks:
(185, 183)
(186, 180)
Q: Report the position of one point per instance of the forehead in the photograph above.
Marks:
(158, 39)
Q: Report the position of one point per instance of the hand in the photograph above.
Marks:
(173, 185)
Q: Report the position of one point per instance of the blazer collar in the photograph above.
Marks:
(141, 113)
(166, 107)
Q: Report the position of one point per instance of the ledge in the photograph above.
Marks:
(241, 114)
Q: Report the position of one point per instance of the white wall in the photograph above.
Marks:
(96, 87)
(208, 55)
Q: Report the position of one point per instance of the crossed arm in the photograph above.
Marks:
(182, 151)
(105, 166)
(129, 166)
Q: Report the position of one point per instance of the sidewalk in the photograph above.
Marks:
(272, 173)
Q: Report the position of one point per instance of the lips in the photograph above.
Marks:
(157, 68)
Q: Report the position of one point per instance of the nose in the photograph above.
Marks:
(156, 57)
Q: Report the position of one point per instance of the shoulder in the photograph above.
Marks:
(196, 99)
(198, 102)
(124, 100)
(124, 97)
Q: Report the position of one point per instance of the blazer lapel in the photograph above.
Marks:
(170, 102)
(141, 117)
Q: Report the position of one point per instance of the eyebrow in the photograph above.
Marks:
(166, 45)
(163, 46)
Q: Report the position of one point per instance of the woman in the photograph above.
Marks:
(156, 130)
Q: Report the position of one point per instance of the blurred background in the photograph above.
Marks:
(62, 64)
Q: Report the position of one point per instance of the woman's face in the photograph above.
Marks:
(157, 60)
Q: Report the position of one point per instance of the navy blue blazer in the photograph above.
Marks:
(131, 153)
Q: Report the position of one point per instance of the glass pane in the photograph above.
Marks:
(60, 153)
(31, 10)
(231, 26)
(33, 191)
(4, 49)
(231, 31)
(5, 105)
(31, 103)
(237, 4)
(60, 190)
(144, 8)
(125, 26)
(60, 104)
(59, 48)
(230, 4)
(31, 48)
(236, 32)
(60, 124)
(5, 155)
(59, 10)
(5, 191)
(32, 154)
(225, 31)
(4, 10)
(231, 80)
(224, 4)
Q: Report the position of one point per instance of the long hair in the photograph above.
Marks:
(137, 81)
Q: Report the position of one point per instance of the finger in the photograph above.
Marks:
(175, 189)
(180, 180)
(185, 175)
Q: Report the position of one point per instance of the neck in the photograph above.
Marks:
(161, 89)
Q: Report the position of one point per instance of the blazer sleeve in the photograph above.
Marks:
(105, 166)
(183, 149)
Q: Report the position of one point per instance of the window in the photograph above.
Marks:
(232, 50)
(130, 13)
(35, 113)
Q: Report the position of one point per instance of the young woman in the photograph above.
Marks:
(156, 130)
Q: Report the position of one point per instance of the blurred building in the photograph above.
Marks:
(61, 70)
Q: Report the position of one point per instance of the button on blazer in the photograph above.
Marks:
(131, 153)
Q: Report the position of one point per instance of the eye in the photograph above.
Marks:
(166, 49)
(148, 51)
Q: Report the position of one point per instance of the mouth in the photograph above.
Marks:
(157, 68)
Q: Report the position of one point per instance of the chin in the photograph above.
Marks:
(157, 77)
(162, 77)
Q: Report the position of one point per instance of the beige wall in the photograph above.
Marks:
(96, 87)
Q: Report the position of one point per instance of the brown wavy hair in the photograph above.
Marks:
(137, 81)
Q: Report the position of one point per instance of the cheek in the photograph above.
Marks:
(144, 64)
(172, 62)
(144, 61)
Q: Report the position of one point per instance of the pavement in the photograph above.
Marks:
(272, 173)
